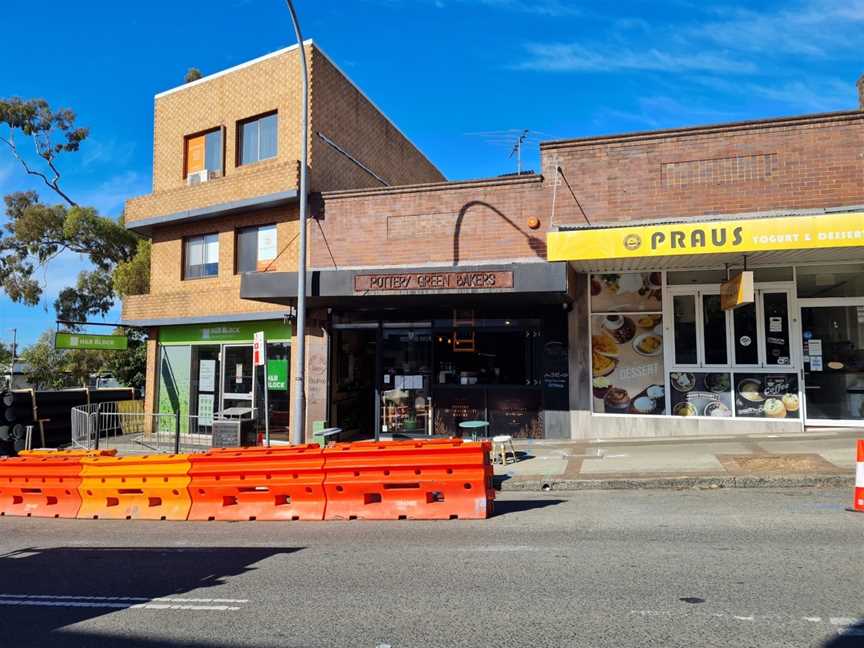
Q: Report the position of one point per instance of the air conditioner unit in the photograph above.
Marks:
(197, 177)
(201, 176)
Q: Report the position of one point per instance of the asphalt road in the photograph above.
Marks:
(624, 568)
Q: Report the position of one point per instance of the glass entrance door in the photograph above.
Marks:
(238, 377)
(833, 346)
(406, 355)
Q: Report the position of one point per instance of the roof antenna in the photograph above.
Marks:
(517, 150)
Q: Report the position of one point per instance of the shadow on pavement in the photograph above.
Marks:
(851, 637)
(505, 507)
(43, 590)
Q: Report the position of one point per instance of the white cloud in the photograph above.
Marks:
(109, 151)
(666, 112)
(814, 28)
(561, 57)
(731, 41)
(811, 95)
(109, 196)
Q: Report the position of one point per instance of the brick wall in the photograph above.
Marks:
(796, 163)
(337, 109)
(172, 296)
(250, 181)
(341, 112)
(441, 224)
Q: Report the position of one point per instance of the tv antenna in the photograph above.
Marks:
(517, 150)
(513, 140)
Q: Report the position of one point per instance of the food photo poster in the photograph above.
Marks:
(627, 344)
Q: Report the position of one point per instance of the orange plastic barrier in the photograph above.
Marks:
(40, 486)
(423, 480)
(858, 503)
(152, 487)
(278, 483)
(39, 452)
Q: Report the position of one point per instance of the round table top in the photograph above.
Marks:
(473, 424)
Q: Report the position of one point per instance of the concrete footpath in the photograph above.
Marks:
(817, 457)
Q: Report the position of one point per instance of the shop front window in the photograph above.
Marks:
(745, 334)
(754, 335)
(714, 330)
(684, 307)
(831, 281)
(278, 374)
(627, 343)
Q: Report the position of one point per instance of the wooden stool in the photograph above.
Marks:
(502, 445)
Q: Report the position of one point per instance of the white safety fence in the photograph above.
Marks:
(125, 425)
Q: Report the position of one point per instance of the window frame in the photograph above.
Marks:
(239, 137)
(185, 256)
(257, 228)
(762, 364)
(203, 133)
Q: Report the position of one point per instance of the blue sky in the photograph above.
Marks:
(459, 77)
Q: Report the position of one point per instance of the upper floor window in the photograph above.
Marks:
(257, 138)
(256, 248)
(204, 152)
(201, 256)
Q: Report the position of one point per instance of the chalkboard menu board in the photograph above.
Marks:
(556, 375)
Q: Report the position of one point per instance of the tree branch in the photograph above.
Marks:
(52, 184)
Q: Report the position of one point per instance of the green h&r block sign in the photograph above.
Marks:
(90, 342)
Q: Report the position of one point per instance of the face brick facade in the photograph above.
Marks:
(781, 164)
(421, 222)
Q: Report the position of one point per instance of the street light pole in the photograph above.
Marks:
(12, 361)
(298, 434)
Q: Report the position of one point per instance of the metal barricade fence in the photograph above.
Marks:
(125, 425)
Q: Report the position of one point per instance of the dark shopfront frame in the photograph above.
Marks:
(405, 293)
(544, 327)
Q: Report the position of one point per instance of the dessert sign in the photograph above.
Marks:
(627, 364)
(627, 343)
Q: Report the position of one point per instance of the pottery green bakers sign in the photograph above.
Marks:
(90, 341)
(224, 332)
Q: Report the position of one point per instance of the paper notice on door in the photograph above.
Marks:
(207, 376)
(386, 379)
(775, 324)
(399, 382)
(815, 363)
(815, 347)
(238, 374)
(205, 409)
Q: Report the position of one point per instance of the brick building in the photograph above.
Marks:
(663, 283)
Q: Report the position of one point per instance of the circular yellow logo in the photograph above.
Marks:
(632, 242)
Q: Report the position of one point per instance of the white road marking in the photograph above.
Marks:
(161, 599)
(121, 602)
(842, 621)
(124, 605)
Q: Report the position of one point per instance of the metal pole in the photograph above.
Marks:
(12, 362)
(266, 399)
(177, 432)
(298, 433)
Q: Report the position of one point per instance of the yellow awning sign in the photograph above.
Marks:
(710, 237)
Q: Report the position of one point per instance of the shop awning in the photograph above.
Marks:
(767, 240)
